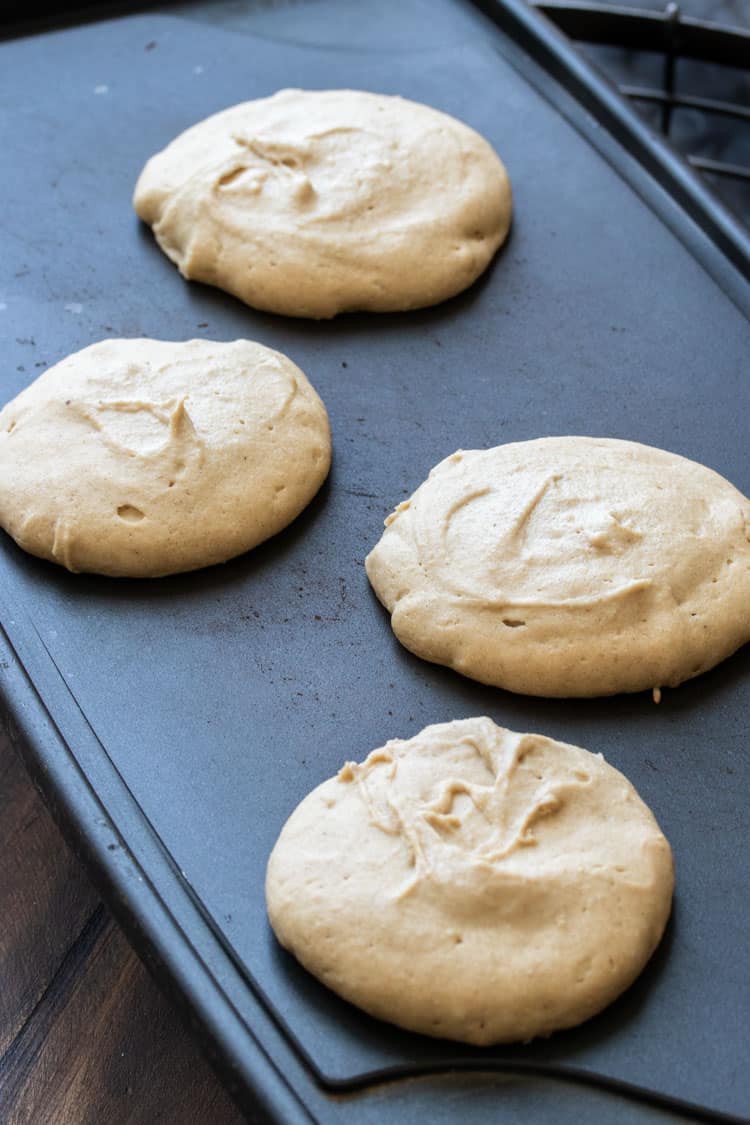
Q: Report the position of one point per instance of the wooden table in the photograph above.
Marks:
(86, 1038)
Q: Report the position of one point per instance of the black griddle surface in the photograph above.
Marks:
(221, 698)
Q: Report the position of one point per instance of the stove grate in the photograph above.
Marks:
(672, 66)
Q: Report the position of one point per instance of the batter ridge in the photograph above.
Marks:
(312, 203)
(144, 457)
(569, 566)
(473, 883)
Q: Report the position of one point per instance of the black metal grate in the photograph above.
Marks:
(689, 77)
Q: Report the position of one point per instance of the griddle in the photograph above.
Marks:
(174, 724)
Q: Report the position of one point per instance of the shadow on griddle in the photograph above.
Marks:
(207, 579)
(217, 311)
(697, 693)
(390, 1050)
(464, 697)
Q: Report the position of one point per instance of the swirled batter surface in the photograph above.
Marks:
(143, 457)
(473, 883)
(311, 203)
(569, 566)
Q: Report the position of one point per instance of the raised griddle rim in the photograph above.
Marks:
(248, 1070)
(158, 937)
(275, 1089)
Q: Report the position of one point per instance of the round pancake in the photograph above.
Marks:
(312, 203)
(569, 566)
(473, 883)
(142, 457)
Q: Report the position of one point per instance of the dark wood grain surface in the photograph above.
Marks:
(86, 1038)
